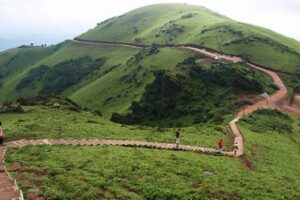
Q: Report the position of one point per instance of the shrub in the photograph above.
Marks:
(189, 15)
(34, 75)
(269, 120)
(61, 76)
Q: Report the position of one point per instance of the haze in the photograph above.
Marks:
(52, 21)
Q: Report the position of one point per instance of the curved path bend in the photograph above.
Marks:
(270, 102)
(8, 186)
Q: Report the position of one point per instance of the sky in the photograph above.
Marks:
(52, 21)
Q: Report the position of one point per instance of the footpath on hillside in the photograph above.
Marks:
(8, 186)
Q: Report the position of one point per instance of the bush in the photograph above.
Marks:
(34, 75)
(157, 193)
(61, 76)
(269, 120)
(228, 75)
(189, 15)
(11, 108)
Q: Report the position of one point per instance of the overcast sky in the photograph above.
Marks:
(51, 21)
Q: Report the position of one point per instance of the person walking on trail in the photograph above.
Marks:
(177, 138)
(220, 145)
(1, 135)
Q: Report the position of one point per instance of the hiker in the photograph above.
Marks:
(1, 135)
(220, 145)
(177, 138)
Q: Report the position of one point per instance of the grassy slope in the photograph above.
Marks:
(117, 95)
(15, 62)
(93, 91)
(68, 50)
(195, 93)
(145, 25)
(44, 122)
(118, 173)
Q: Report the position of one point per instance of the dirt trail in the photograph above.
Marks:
(297, 97)
(107, 43)
(8, 186)
(276, 101)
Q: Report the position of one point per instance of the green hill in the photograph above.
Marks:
(186, 24)
(113, 78)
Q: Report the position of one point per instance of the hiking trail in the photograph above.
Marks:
(8, 186)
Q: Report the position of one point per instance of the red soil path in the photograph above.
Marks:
(297, 97)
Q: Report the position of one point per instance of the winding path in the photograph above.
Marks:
(271, 102)
(8, 186)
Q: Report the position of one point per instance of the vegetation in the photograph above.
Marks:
(62, 75)
(43, 118)
(187, 24)
(69, 55)
(293, 83)
(269, 120)
(36, 70)
(127, 82)
(194, 93)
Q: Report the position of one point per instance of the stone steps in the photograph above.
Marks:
(125, 143)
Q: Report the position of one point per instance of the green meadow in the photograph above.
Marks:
(269, 170)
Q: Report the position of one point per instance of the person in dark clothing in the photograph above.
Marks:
(177, 138)
(1, 134)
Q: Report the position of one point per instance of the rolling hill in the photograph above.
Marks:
(187, 24)
(111, 77)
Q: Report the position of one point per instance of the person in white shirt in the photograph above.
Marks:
(1, 134)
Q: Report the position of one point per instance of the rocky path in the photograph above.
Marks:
(125, 143)
(9, 189)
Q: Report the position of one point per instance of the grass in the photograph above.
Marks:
(103, 89)
(93, 91)
(119, 173)
(128, 173)
(67, 51)
(14, 62)
(44, 122)
(118, 95)
(195, 93)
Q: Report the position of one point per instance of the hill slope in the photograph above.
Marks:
(186, 24)
(111, 78)
(268, 171)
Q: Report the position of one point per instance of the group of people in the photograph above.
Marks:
(220, 142)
